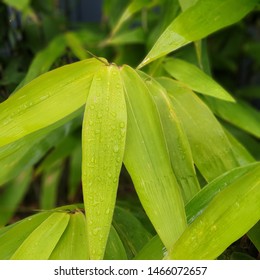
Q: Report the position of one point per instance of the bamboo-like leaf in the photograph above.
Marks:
(103, 143)
(129, 37)
(153, 250)
(198, 21)
(196, 207)
(195, 79)
(25, 152)
(73, 243)
(13, 236)
(147, 161)
(76, 46)
(176, 139)
(254, 235)
(35, 246)
(201, 201)
(228, 217)
(130, 230)
(210, 147)
(63, 91)
(239, 114)
(44, 59)
(115, 249)
(13, 194)
(130, 10)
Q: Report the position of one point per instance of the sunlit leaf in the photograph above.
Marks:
(198, 21)
(73, 243)
(63, 91)
(239, 114)
(176, 139)
(227, 217)
(35, 247)
(210, 147)
(195, 79)
(103, 142)
(147, 161)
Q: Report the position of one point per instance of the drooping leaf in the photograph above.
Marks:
(13, 236)
(147, 161)
(63, 91)
(103, 143)
(130, 230)
(25, 152)
(35, 247)
(198, 21)
(176, 139)
(228, 217)
(195, 79)
(115, 249)
(73, 242)
(254, 235)
(210, 147)
(13, 194)
(239, 114)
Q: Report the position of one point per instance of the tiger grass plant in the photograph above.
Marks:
(163, 119)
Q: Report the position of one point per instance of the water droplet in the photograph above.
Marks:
(99, 115)
(92, 107)
(90, 122)
(107, 211)
(109, 174)
(114, 180)
(116, 149)
(113, 114)
(122, 124)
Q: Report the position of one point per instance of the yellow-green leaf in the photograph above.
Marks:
(228, 216)
(41, 242)
(195, 79)
(103, 143)
(147, 161)
(198, 21)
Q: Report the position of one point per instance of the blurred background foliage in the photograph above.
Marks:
(36, 36)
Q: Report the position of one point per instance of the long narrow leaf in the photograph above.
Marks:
(195, 78)
(228, 217)
(103, 143)
(62, 91)
(147, 161)
(210, 147)
(176, 139)
(198, 21)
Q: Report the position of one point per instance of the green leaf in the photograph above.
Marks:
(220, 223)
(254, 235)
(13, 236)
(44, 59)
(147, 161)
(25, 152)
(210, 147)
(13, 194)
(35, 246)
(115, 249)
(76, 46)
(103, 144)
(20, 5)
(73, 243)
(153, 250)
(197, 22)
(239, 114)
(134, 7)
(195, 79)
(63, 91)
(176, 139)
(135, 36)
(130, 230)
